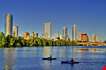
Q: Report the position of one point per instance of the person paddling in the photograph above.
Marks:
(72, 60)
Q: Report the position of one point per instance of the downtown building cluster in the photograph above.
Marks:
(81, 38)
(10, 29)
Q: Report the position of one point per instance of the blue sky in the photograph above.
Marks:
(88, 15)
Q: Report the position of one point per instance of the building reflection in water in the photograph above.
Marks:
(47, 51)
(62, 52)
(9, 57)
(79, 52)
(93, 50)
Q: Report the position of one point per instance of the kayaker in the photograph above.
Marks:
(72, 60)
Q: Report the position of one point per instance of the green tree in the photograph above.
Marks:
(2, 40)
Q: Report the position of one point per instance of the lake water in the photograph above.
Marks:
(31, 58)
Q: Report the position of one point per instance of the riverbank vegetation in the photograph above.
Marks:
(10, 41)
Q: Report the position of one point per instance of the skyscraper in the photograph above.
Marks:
(15, 31)
(47, 30)
(8, 24)
(65, 32)
(94, 38)
(74, 32)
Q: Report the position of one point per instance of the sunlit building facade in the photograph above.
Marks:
(15, 31)
(47, 30)
(74, 32)
(8, 24)
(26, 35)
(94, 38)
(65, 33)
(84, 37)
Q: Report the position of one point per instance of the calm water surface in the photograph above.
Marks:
(31, 58)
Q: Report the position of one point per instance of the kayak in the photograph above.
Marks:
(49, 58)
(69, 62)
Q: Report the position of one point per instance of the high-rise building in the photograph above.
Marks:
(65, 32)
(94, 38)
(74, 32)
(8, 24)
(84, 37)
(47, 30)
(15, 31)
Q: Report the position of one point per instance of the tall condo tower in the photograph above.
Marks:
(74, 32)
(15, 31)
(8, 24)
(94, 38)
(65, 32)
(47, 30)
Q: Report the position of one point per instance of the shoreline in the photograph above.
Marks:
(58, 46)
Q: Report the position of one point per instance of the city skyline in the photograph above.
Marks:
(87, 15)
